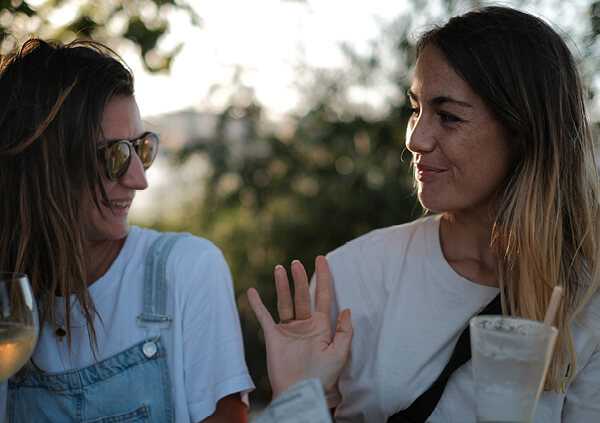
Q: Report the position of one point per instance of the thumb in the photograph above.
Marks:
(343, 335)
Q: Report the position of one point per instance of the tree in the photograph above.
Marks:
(142, 22)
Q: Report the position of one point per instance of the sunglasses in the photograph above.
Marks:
(117, 154)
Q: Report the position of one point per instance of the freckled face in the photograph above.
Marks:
(461, 153)
(120, 121)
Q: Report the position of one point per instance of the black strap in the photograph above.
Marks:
(422, 407)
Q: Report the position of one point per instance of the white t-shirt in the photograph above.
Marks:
(408, 308)
(204, 346)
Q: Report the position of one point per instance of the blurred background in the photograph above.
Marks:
(282, 121)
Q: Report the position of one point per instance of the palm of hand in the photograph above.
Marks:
(303, 348)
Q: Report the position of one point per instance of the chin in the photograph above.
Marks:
(429, 204)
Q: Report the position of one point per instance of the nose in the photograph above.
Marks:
(135, 176)
(420, 134)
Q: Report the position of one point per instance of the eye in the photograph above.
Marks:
(414, 116)
(448, 118)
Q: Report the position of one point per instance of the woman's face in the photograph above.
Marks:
(461, 153)
(120, 121)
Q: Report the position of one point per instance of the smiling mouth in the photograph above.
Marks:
(120, 204)
(424, 173)
(117, 204)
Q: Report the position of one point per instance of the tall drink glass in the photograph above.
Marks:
(510, 361)
(18, 323)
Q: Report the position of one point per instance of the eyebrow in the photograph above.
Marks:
(442, 99)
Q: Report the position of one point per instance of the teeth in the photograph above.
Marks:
(123, 204)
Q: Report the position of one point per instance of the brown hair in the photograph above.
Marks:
(53, 97)
(546, 230)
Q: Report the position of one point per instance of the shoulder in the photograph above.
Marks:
(591, 311)
(190, 260)
(382, 243)
(195, 259)
(581, 403)
(585, 331)
(369, 267)
(197, 268)
(186, 246)
(196, 248)
(587, 323)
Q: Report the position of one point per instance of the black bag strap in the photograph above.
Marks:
(422, 407)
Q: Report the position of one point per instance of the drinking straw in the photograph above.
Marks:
(551, 311)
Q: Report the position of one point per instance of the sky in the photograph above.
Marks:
(266, 37)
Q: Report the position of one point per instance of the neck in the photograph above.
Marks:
(101, 255)
(465, 239)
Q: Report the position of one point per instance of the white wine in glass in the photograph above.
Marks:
(18, 323)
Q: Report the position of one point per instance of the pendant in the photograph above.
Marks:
(149, 349)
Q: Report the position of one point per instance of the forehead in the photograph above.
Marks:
(121, 119)
(435, 77)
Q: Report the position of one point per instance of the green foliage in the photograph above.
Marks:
(144, 22)
(275, 195)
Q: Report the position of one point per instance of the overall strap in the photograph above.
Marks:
(422, 407)
(155, 295)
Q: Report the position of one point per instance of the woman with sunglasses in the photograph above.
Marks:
(130, 330)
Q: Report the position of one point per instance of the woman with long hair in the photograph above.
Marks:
(502, 152)
(134, 325)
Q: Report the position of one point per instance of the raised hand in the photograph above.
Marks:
(301, 345)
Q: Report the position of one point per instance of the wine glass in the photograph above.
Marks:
(18, 322)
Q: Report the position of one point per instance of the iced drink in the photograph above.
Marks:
(510, 361)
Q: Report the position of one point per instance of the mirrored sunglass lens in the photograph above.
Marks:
(118, 159)
(147, 150)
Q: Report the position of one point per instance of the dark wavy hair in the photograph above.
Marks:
(53, 96)
(546, 229)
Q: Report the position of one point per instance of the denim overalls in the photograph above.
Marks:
(132, 386)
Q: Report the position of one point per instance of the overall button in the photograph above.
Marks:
(149, 349)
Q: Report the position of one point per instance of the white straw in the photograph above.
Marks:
(551, 311)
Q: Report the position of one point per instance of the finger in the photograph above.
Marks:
(285, 307)
(301, 291)
(323, 289)
(343, 336)
(261, 312)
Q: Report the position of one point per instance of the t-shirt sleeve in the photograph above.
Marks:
(305, 398)
(213, 352)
